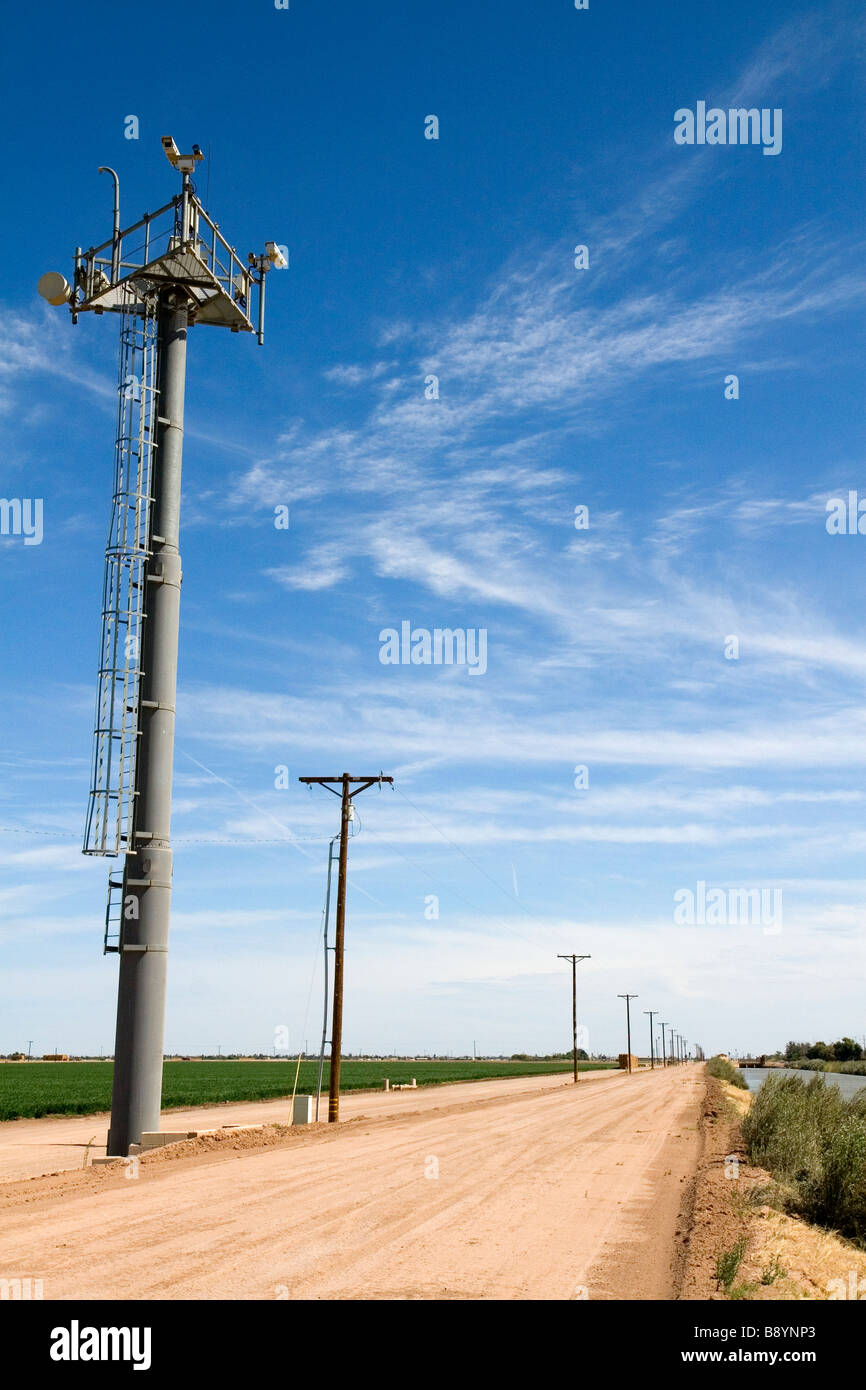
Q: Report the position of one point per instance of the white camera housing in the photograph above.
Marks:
(275, 256)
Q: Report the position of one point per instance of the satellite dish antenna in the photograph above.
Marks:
(54, 287)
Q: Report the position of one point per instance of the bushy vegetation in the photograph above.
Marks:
(813, 1141)
(845, 1050)
(722, 1069)
(728, 1264)
(846, 1068)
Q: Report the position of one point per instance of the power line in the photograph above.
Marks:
(246, 799)
(466, 856)
(425, 873)
(178, 840)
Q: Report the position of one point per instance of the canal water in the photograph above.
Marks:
(755, 1076)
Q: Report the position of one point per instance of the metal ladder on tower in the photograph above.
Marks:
(110, 818)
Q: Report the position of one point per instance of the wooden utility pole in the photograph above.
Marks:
(664, 1053)
(652, 1013)
(345, 793)
(574, 961)
(628, 998)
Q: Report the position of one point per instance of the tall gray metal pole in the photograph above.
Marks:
(137, 1089)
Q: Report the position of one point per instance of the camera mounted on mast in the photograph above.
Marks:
(179, 247)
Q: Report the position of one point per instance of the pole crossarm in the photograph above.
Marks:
(347, 781)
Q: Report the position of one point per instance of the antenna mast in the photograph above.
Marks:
(162, 275)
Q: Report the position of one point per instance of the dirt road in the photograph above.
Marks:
(55, 1143)
(552, 1191)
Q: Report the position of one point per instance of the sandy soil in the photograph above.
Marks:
(29, 1148)
(536, 1190)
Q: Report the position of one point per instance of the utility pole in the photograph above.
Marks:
(574, 964)
(328, 948)
(664, 1044)
(628, 998)
(652, 1013)
(346, 795)
(168, 271)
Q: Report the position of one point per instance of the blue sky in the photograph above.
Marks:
(559, 387)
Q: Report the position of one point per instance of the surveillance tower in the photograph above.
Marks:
(171, 270)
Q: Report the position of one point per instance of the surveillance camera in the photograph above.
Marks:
(172, 153)
(275, 256)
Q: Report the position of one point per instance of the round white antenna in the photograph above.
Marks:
(54, 287)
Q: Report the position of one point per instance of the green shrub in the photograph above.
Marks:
(835, 1195)
(722, 1070)
(813, 1140)
(729, 1261)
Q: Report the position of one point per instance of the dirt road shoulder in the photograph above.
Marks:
(742, 1248)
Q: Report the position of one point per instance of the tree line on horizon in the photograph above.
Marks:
(845, 1050)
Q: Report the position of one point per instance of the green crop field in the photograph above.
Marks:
(30, 1089)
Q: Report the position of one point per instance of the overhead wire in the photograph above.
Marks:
(462, 851)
